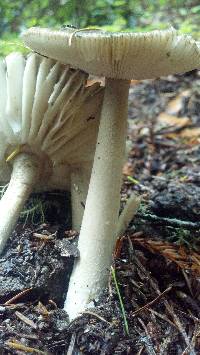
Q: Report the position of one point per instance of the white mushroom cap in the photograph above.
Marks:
(118, 55)
(45, 109)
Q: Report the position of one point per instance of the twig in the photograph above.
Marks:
(182, 331)
(168, 221)
(169, 308)
(96, 315)
(191, 316)
(162, 316)
(193, 341)
(188, 283)
(25, 320)
(146, 306)
(23, 335)
(72, 349)
(140, 351)
(16, 297)
(153, 284)
(188, 300)
(149, 345)
(91, 314)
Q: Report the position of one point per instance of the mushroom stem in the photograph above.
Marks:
(97, 236)
(80, 178)
(127, 214)
(25, 174)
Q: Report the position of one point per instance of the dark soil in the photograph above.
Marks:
(157, 262)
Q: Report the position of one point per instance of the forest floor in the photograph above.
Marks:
(156, 262)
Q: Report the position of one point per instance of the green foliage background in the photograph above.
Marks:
(132, 15)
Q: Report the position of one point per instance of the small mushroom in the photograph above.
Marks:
(45, 131)
(119, 57)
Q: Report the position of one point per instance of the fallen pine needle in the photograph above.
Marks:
(120, 301)
(146, 306)
(18, 346)
(164, 317)
(16, 297)
(53, 304)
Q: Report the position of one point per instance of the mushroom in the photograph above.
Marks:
(119, 57)
(46, 131)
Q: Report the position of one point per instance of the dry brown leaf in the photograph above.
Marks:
(94, 79)
(165, 119)
(191, 136)
(175, 105)
(42, 309)
(135, 82)
(193, 141)
(184, 258)
(128, 169)
(190, 133)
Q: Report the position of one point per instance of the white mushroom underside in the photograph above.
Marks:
(48, 126)
(46, 109)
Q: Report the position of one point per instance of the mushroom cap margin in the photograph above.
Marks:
(120, 55)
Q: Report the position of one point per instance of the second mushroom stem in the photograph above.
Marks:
(97, 236)
(25, 174)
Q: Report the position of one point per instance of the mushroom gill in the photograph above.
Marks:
(45, 130)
